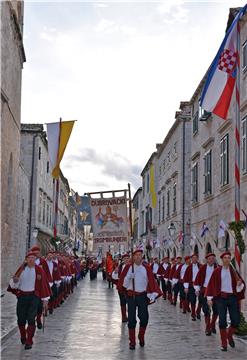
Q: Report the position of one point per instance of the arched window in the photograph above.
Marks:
(168, 253)
(174, 253)
(208, 248)
(196, 250)
(9, 189)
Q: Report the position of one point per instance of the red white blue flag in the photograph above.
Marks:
(221, 78)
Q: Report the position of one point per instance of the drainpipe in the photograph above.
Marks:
(183, 205)
(31, 192)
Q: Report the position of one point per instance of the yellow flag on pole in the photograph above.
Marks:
(152, 187)
(58, 135)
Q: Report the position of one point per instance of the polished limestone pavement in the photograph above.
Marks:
(88, 327)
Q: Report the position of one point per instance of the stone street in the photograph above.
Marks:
(88, 327)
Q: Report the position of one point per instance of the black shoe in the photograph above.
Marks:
(189, 310)
(132, 347)
(223, 348)
(198, 316)
(193, 318)
(142, 343)
(28, 347)
(174, 303)
(57, 306)
(184, 311)
(231, 343)
(124, 320)
(39, 326)
(51, 311)
(208, 333)
(23, 341)
(213, 331)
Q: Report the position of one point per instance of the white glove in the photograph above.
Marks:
(152, 296)
(240, 287)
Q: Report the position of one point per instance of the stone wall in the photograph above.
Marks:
(12, 58)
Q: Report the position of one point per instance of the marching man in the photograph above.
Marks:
(56, 280)
(227, 288)
(40, 261)
(30, 286)
(201, 282)
(141, 288)
(122, 295)
(163, 271)
(188, 280)
(178, 279)
(155, 268)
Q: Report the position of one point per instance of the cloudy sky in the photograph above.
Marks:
(119, 68)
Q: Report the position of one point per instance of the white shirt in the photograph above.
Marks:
(27, 279)
(195, 269)
(155, 268)
(37, 261)
(165, 266)
(174, 281)
(209, 272)
(226, 280)
(183, 269)
(50, 266)
(141, 279)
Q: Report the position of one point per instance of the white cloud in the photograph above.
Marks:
(121, 76)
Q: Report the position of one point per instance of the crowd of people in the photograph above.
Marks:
(209, 289)
(42, 284)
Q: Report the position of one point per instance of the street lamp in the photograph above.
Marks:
(172, 229)
(35, 233)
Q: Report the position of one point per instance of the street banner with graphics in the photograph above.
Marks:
(109, 220)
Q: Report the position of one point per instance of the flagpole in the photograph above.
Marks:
(237, 141)
(131, 236)
(57, 188)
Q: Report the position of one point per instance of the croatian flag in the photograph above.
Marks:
(204, 229)
(221, 78)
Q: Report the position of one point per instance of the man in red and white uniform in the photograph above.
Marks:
(179, 279)
(138, 281)
(40, 261)
(121, 293)
(155, 268)
(30, 286)
(163, 272)
(170, 277)
(188, 281)
(201, 282)
(174, 280)
(56, 280)
(227, 288)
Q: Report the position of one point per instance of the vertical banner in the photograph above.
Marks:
(109, 220)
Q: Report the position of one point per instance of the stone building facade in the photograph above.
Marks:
(12, 59)
(35, 159)
(173, 188)
(196, 177)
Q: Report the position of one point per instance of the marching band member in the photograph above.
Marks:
(201, 282)
(227, 288)
(122, 294)
(188, 281)
(163, 272)
(138, 281)
(30, 286)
